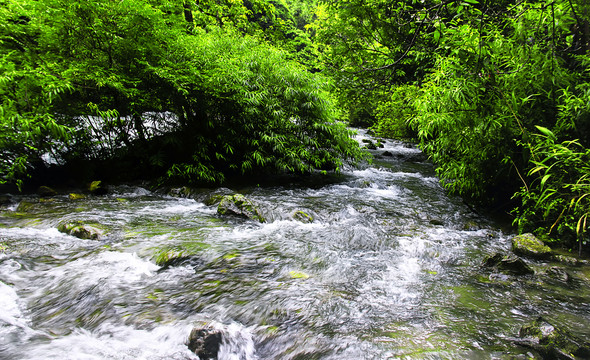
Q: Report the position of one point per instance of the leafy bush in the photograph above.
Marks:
(101, 80)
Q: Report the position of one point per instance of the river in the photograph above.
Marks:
(389, 268)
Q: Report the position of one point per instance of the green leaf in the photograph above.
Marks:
(548, 133)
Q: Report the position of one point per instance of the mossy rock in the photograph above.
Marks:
(552, 342)
(216, 197)
(529, 245)
(213, 199)
(239, 205)
(46, 191)
(25, 206)
(302, 217)
(81, 230)
(97, 188)
(74, 196)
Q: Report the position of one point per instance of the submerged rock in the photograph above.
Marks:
(81, 230)
(239, 205)
(302, 217)
(205, 343)
(552, 342)
(25, 206)
(508, 263)
(529, 245)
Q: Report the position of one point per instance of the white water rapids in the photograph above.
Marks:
(390, 268)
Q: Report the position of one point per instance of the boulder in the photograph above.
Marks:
(529, 245)
(508, 264)
(239, 205)
(215, 197)
(552, 342)
(205, 343)
(387, 153)
(81, 230)
(46, 191)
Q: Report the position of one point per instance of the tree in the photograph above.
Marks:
(126, 80)
(475, 80)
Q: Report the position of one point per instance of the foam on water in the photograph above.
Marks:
(117, 342)
(182, 206)
(10, 313)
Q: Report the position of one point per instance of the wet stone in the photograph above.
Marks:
(559, 274)
(205, 343)
(552, 342)
(509, 264)
(241, 206)
(81, 230)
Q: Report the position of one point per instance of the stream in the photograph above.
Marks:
(389, 268)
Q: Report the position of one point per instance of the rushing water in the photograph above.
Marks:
(390, 268)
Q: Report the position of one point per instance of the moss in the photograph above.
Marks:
(469, 297)
(164, 256)
(298, 275)
(168, 255)
(551, 340)
(74, 196)
(230, 256)
(303, 217)
(529, 245)
(24, 207)
(213, 199)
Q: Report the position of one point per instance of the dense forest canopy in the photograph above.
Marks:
(495, 92)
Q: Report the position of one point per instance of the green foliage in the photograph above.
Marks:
(369, 46)
(558, 197)
(137, 81)
(476, 80)
(394, 115)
